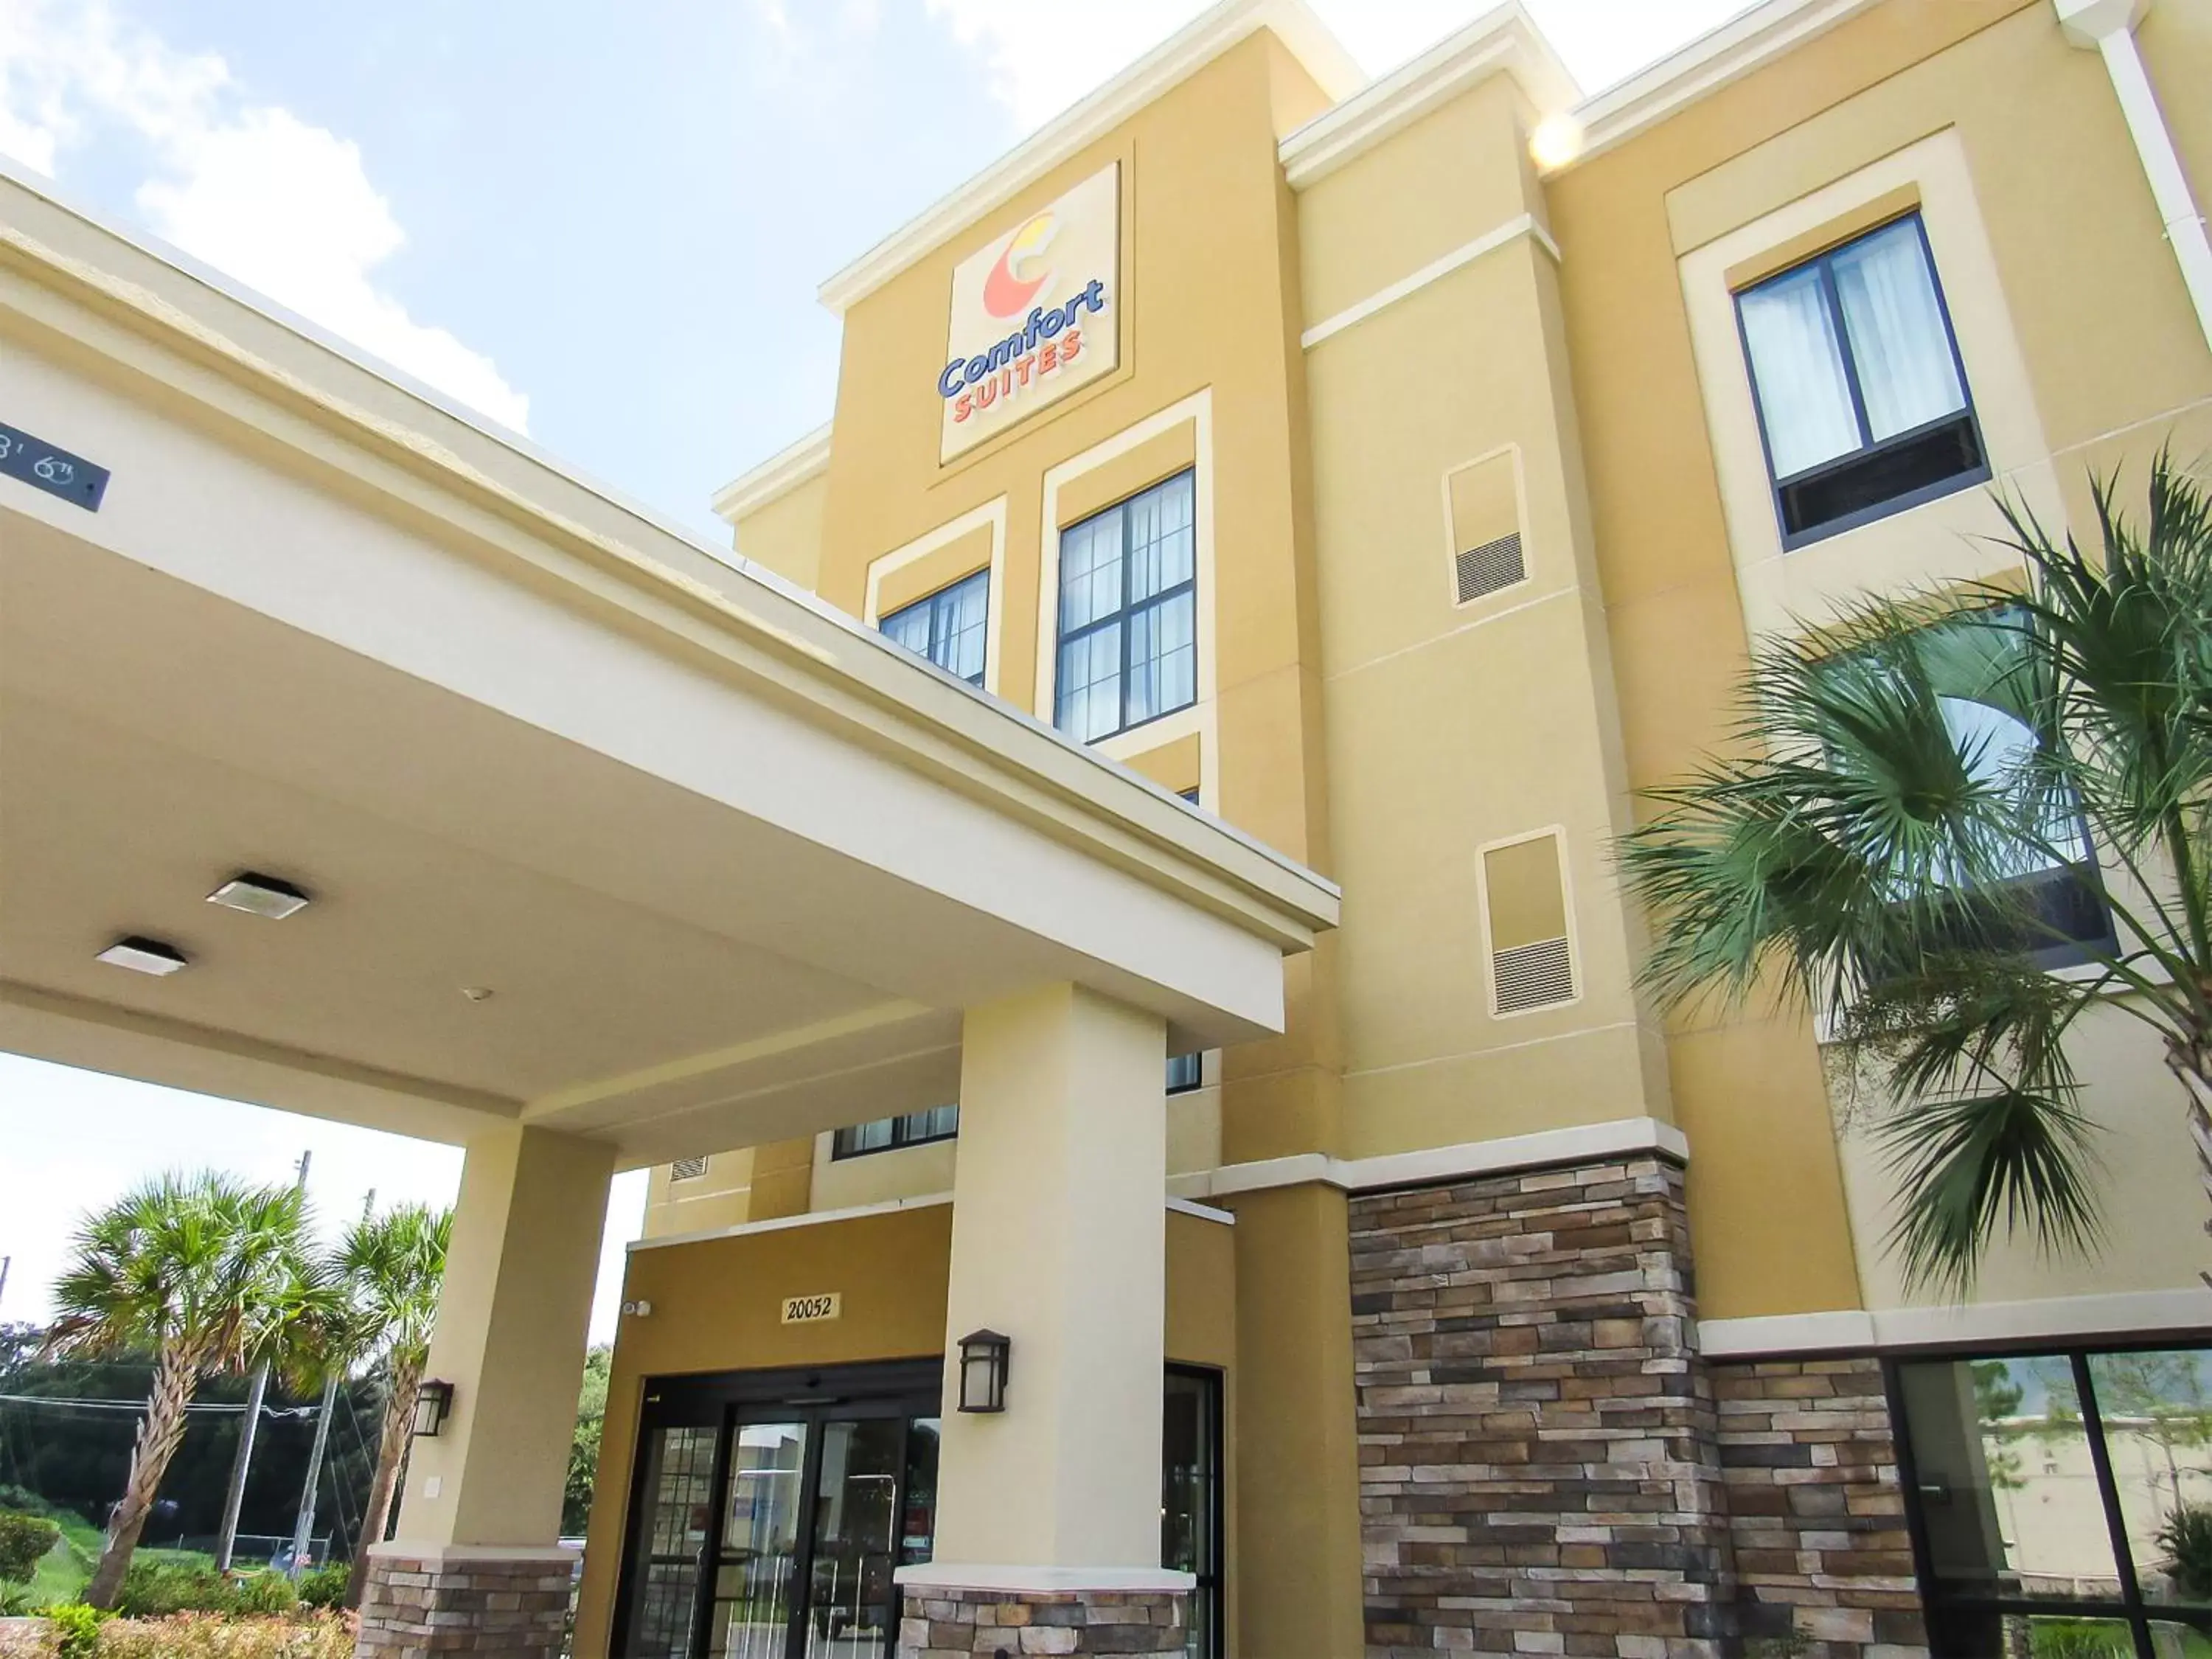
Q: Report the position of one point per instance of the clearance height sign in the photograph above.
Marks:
(1034, 314)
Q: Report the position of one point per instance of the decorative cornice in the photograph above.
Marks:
(1504, 39)
(1184, 52)
(1707, 64)
(1520, 225)
(1584, 1143)
(780, 474)
(2125, 1313)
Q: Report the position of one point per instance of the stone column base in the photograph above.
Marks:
(510, 1604)
(946, 1623)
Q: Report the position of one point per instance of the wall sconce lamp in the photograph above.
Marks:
(432, 1404)
(983, 1357)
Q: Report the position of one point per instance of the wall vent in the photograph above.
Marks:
(1534, 975)
(1487, 568)
(687, 1169)
(1482, 513)
(1525, 921)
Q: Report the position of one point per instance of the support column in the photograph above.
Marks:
(1049, 1513)
(478, 1567)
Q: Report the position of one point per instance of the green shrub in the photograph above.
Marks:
(323, 1586)
(155, 1589)
(75, 1629)
(2079, 1638)
(2186, 1538)
(265, 1593)
(24, 1541)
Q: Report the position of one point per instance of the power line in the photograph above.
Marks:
(140, 1406)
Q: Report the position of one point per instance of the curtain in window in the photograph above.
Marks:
(1899, 345)
(1797, 362)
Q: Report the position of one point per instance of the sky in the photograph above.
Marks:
(601, 225)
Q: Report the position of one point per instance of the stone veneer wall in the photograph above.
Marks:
(1816, 1510)
(963, 1624)
(1538, 1466)
(1548, 1467)
(413, 1608)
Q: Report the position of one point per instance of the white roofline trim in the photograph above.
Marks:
(2066, 1318)
(1745, 42)
(850, 1212)
(1582, 1143)
(780, 474)
(1504, 38)
(1184, 52)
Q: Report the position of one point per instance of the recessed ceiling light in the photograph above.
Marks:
(259, 896)
(143, 955)
(477, 992)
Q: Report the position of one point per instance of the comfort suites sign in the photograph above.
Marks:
(1034, 314)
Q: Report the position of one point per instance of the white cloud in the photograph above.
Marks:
(282, 205)
(1040, 56)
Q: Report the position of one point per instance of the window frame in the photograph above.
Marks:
(933, 601)
(1121, 616)
(2130, 1606)
(841, 1149)
(1868, 449)
(2084, 875)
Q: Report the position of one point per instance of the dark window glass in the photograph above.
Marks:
(1190, 1498)
(2062, 1502)
(1184, 1073)
(951, 627)
(910, 1129)
(1128, 613)
(1863, 401)
(676, 1482)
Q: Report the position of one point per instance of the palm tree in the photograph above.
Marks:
(389, 1268)
(1924, 806)
(208, 1275)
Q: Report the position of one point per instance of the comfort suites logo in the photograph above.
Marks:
(1034, 314)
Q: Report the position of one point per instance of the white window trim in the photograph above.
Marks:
(1200, 717)
(992, 513)
(1785, 593)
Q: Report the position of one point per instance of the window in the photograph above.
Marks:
(1862, 398)
(1977, 668)
(1128, 613)
(949, 627)
(1190, 1498)
(886, 1133)
(2044, 1490)
(1184, 1073)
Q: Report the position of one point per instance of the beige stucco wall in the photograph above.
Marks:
(2079, 328)
(785, 533)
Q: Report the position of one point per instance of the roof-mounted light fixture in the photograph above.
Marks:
(144, 956)
(259, 896)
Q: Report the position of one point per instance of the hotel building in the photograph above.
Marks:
(1401, 471)
(1100, 914)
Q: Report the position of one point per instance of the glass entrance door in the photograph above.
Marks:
(776, 1533)
(756, 1558)
(771, 1511)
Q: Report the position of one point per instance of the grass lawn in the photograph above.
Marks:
(65, 1569)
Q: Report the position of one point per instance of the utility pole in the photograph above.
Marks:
(303, 1528)
(228, 1539)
